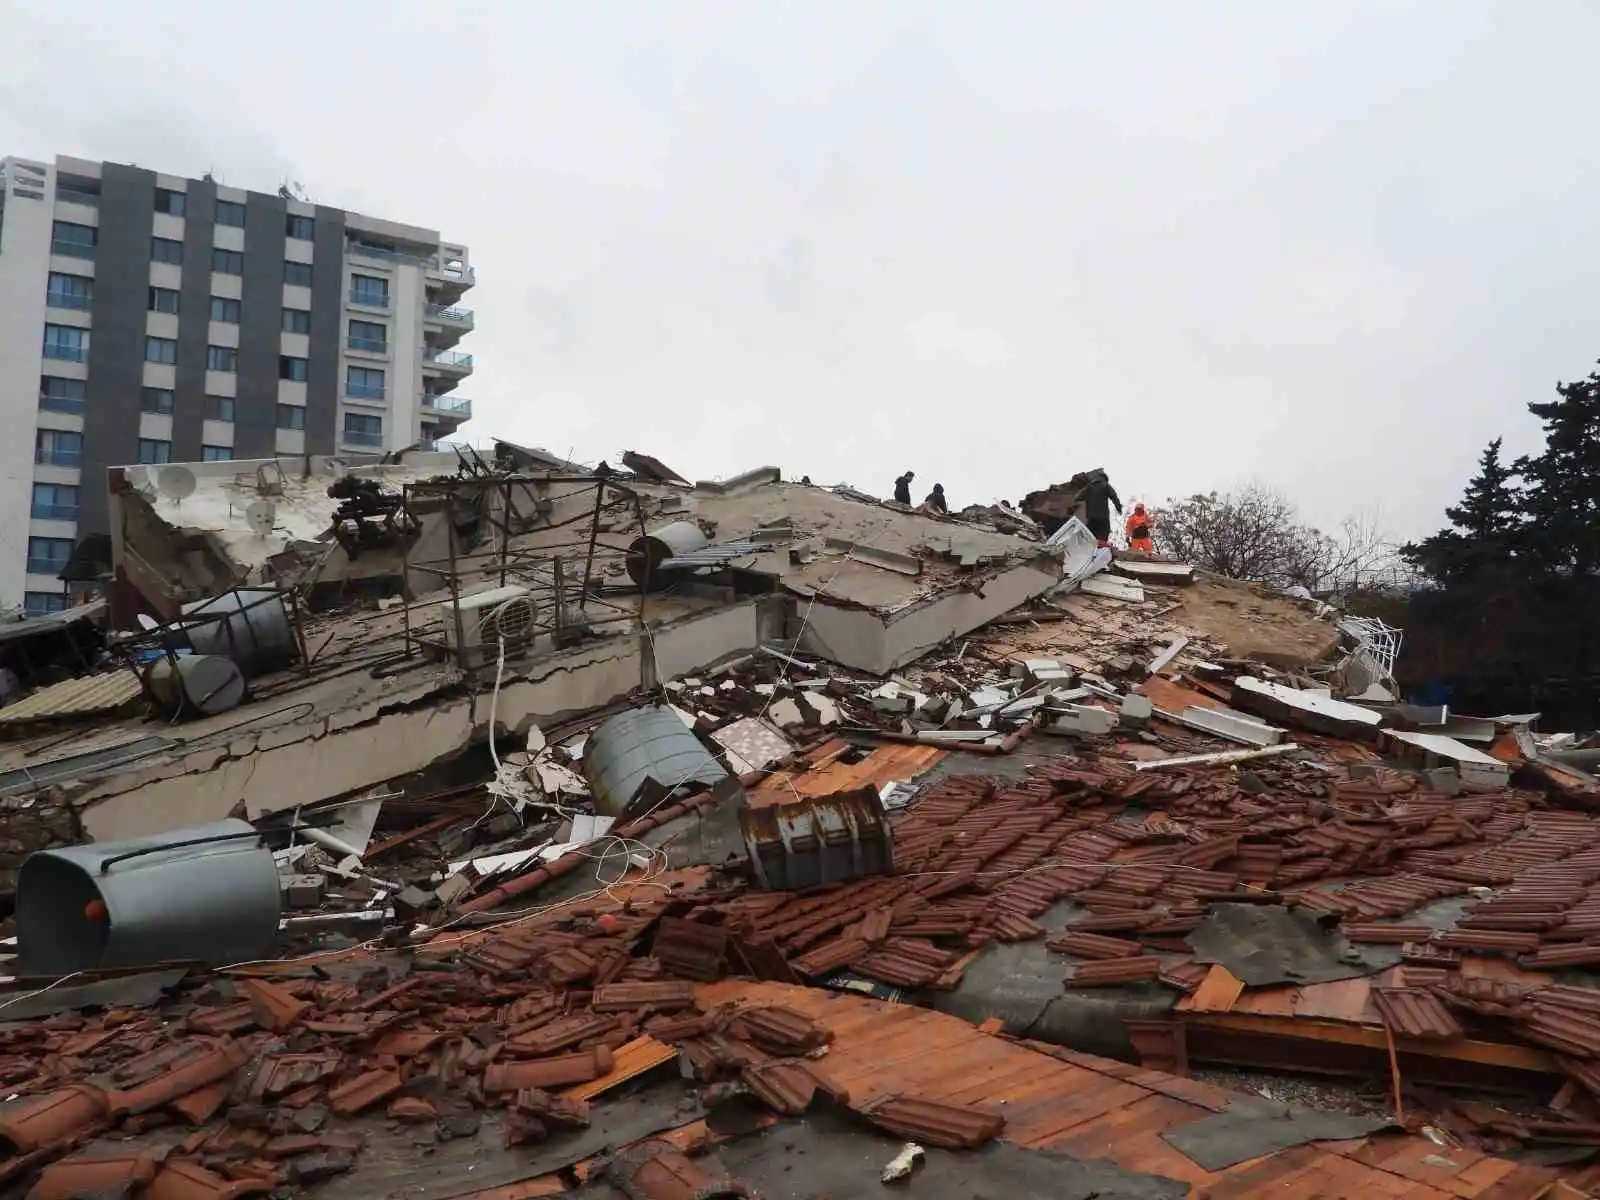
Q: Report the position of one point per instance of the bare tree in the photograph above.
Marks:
(1255, 533)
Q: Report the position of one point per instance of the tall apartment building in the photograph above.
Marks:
(146, 318)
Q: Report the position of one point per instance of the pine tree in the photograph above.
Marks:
(1562, 501)
(1484, 524)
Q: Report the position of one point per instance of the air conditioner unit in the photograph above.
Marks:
(486, 619)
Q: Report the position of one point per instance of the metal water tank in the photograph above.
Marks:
(253, 629)
(207, 893)
(646, 554)
(196, 684)
(645, 744)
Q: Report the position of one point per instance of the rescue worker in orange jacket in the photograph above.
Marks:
(1139, 528)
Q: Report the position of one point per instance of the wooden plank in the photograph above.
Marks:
(1217, 992)
(1492, 1054)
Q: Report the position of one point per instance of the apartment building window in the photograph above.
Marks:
(296, 320)
(163, 300)
(215, 453)
(55, 502)
(169, 202)
(58, 447)
(304, 228)
(165, 250)
(371, 290)
(222, 358)
(369, 335)
(66, 343)
(156, 400)
(154, 450)
(227, 262)
(73, 241)
(364, 383)
(224, 310)
(219, 408)
(42, 604)
(291, 416)
(230, 213)
(362, 430)
(48, 555)
(160, 350)
(292, 369)
(68, 291)
(63, 395)
(298, 274)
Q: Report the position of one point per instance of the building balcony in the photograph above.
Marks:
(68, 249)
(69, 193)
(449, 361)
(68, 300)
(361, 437)
(443, 314)
(365, 391)
(455, 406)
(368, 345)
(55, 512)
(73, 353)
(58, 458)
(370, 299)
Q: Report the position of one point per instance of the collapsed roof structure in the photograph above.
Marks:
(597, 830)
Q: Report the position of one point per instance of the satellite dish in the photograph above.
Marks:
(259, 515)
(176, 483)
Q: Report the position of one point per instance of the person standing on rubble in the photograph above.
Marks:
(936, 499)
(1098, 499)
(1140, 527)
(902, 488)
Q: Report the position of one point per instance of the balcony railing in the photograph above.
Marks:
(67, 249)
(57, 458)
(456, 316)
(46, 566)
(68, 194)
(55, 512)
(370, 299)
(61, 404)
(59, 299)
(365, 391)
(370, 345)
(362, 437)
(448, 358)
(66, 353)
(459, 405)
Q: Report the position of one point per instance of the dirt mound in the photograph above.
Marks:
(1253, 621)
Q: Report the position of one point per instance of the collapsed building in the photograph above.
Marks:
(452, 826)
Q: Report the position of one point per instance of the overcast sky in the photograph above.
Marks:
(1332, 247)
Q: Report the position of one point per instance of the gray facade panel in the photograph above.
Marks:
(327, 315)
(260, 332)
(194, 317)
(116, 339)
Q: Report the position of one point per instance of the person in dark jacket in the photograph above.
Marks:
(935, 499)
(902, 488)
(1098, 499)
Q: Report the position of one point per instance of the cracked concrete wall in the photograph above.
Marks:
(867, 641)
(361, 746)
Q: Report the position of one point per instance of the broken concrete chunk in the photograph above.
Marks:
(786, 714)
(1081, 720)
(302, 891)
(1136, 711)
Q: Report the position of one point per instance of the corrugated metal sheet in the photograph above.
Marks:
(74, 697)
(644, 744)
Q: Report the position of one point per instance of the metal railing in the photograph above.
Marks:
(459, 405)
(370, 345)
(370, 299)
(59, 299)
(55, 512)
(448, 358)
(68, 194)
(68, 249)
(361, 437)
(365, 391)
(457, 316)
(66, 353)
(57, 458)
